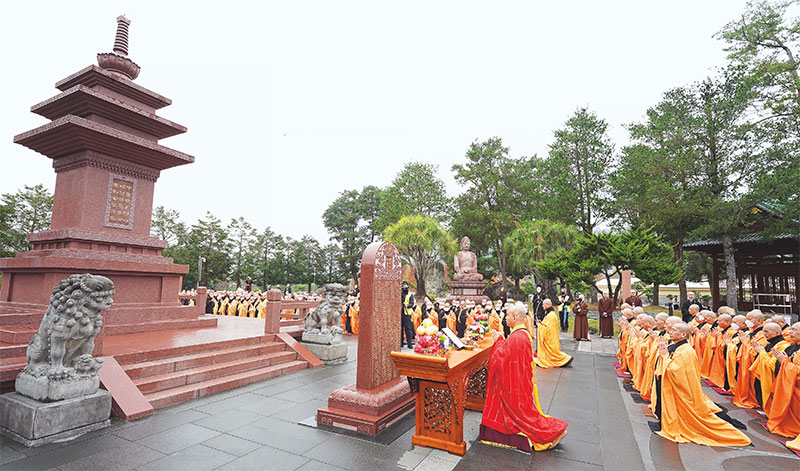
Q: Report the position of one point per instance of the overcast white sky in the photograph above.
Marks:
(289, 103)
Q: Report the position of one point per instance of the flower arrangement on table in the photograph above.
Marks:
(475, 332)
(483, 319)
(429, 341)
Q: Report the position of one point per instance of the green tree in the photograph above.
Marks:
(166, 225)
(609, 253)
(532, 241)
(22, 213)
(265, 247)
(347, 221)
(565, 266)
(241, 235)
(207, 239)
(370, 200)
(655, 184)
(577, 171)
(422, 242)
(496, 189)
(764, 42)
(416, 189)
(657, 267)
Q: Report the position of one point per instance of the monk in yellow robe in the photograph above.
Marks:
(744, 395)
(495, 322)
(646, 341)
(262, 308)
(626, 321)
(763, 367)
(416, 316)
(684, 413)
(354, 319)
(233, 306)
(548, 345)
(663, 324)
(784, 410)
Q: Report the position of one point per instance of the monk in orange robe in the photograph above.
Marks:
(784, 410)
(663, 323)
(627, 320)
(704, 336)
(744, 395)
(763, 367)
(416, 316)
(647, 340)
(510, 416)
(495, 322)
(717, 350)
(684, 414)
(548, 345)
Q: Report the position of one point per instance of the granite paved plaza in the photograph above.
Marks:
(257, 427)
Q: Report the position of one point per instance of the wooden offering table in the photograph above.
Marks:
(444, 387)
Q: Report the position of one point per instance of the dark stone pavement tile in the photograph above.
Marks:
(228, 403)
(265, 458)
(228, 420)
(196, 458)
(664, 451)
(351, 453)
(73, 451)
(318, 466)
(8, 454)
(431, 463)
(481, 457)
(546, 460)
(275, 438)
(579, 451)
(584, 432)
(298, 395)
(266, 406)
(158, 423)
(178, 438)
(127, 456)
(232, 445)
(301, 411)
(574, 417)
(749, 463)
(271, 389)
(403, 442)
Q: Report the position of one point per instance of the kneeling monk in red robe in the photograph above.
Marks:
(511, 417)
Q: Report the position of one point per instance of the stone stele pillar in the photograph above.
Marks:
(380, 396)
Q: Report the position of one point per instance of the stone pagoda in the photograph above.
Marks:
(103, 137)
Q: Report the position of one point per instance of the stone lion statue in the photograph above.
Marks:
(325, 319)
(60, 362)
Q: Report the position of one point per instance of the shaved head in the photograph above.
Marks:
(680, 331)
(627, 312)
(725, 320)
(756, 317)
(694, 309)
(624, 306)
(662, 315)
(771, 329)
(672, 320)
(515, 314)
(547, 303)
(794, 332)
(638, 310)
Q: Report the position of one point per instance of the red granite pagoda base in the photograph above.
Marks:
(367, 411)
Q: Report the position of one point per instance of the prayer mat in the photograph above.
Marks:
(637, 398)
(721, 391)
(628, 387)
(654, 426)
(623, 374)
(727, 418)
(793, 451)
(647, 411)
(708, 383)
(757, 414)
(763, 424)
(627, 381)
(617, 364)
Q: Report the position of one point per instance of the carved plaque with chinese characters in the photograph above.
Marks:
(379, 315)
(120, 202)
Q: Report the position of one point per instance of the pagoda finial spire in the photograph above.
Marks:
(121, 39)
(117, 62)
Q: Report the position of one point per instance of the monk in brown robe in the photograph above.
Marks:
(784, 411)
(684, 413)
(605, 307)
(581, 329)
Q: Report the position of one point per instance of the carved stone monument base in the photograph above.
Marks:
(329, 354)
(329, 338)
(367, 411)
(467, 290)
(44, 388)
(35, 423)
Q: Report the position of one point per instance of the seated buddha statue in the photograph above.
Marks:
(466, 263)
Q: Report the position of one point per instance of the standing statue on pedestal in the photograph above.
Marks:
(465, 263)
(60, 362)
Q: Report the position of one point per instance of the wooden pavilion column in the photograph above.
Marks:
(715, 269)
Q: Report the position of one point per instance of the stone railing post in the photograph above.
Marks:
(201, 298)
(272, 318)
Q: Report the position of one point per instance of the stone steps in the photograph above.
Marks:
(184, 393)
(18, 318)
(10, 367)
(171, 364)
(151, 384)
(196, 323)
(20, 333)
(8, 350)
(183, 350)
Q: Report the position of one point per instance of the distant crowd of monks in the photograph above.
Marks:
(752, 357)
(242, 303)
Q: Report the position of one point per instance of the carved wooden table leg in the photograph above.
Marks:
(440, 416)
